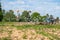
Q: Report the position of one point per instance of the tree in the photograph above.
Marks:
(43, 19)
(3, 11)
(52, 19)
(9, 16)
(51, 16)
(57, 19)
(35, 16)
(25, 16)
(47, 15)
(47, 19)
(1, 14)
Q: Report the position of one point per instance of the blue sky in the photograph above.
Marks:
(41, 6)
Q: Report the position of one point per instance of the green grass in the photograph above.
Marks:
(30, 26)
(45, 34)
(24, 36)
(50, 36)
(6, 38)
(37, 27)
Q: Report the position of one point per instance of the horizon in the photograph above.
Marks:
(52, 7)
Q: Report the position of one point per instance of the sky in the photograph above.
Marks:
(52, 7)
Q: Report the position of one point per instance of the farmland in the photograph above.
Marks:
(28, 31)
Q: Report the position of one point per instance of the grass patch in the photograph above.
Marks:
(6, 38)
(45, 34)
(50, 36)
(37, 27)
(24, 36)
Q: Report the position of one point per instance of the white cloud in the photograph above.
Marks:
(17, 2)
(12, 3)
(27, 6)
(57, 7)
(31, 0)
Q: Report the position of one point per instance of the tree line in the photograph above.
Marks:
(9, 16)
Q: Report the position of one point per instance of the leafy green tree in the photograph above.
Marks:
(1, 14)
(52, 19)
(25, 16)
(3, 11)
(35, 16)
(42, 18)
(9, 16)
(47, 17)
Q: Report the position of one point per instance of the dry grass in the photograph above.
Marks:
(29, 32)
